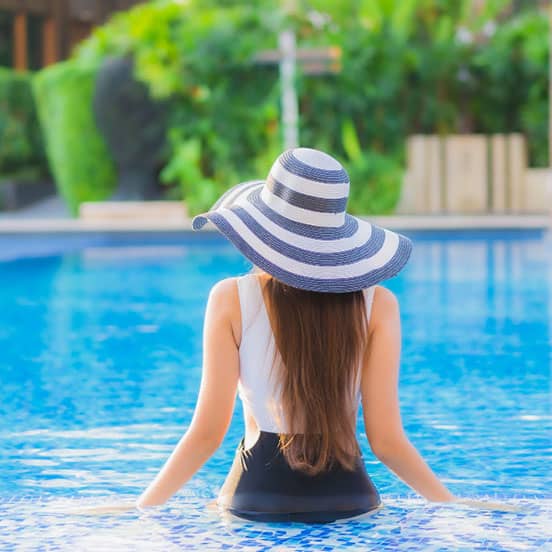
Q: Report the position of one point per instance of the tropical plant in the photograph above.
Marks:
(21, 148)
(407, 66)
(200, 59)
(79, 159)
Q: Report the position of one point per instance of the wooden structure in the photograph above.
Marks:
(473, 174)
(46, 31)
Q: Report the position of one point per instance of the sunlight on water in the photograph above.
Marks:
(100, 355)
(189, 523)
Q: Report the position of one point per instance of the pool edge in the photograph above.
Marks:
(155, 226)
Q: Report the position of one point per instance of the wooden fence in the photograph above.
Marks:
(472, 174)
(60, 25)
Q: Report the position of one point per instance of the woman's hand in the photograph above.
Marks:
(217, 395)
(487, 505)
(380, 402)
(107, 509)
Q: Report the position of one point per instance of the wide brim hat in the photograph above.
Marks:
(295, 227)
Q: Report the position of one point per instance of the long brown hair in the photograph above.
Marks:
(320, 339)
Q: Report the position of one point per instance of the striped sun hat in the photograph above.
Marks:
(294, 226)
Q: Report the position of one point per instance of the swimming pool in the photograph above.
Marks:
(100, 351)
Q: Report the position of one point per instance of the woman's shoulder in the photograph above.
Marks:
(224, 299)
(385, 297)
(385, 307)
(225, 291)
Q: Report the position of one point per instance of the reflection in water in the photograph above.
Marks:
(491, 296)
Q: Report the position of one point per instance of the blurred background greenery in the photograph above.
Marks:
(406, 67)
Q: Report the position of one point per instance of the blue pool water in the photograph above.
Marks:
(100, 354)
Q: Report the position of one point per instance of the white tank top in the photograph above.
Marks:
(258, 390)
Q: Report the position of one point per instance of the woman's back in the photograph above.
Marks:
(261, 484)
(259, 387)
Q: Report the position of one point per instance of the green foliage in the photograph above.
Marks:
(78, 156)
(375, 178)
(21, 149)
(513, 70)
(430, 66)
(185, 168)
(408, 66)
(375, 184)
(198, 58)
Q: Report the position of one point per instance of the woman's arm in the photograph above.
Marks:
(380, 402)
(216, 399)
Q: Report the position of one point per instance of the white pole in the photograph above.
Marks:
(290, 109)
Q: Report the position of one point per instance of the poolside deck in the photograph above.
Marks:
(50, 217)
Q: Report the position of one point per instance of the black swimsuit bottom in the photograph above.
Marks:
(261, 486)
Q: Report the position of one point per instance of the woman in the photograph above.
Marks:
(304, 340)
